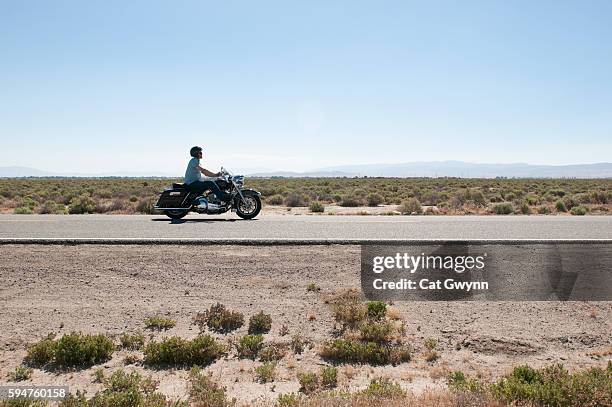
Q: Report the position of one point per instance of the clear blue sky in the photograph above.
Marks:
(100, 86)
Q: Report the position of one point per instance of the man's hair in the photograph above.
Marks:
(194, 151)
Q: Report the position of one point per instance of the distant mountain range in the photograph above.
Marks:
(414, 169)
(455, 169)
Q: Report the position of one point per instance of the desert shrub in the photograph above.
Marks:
(383, 388)
(309, 382)
(23, 210)
(271, 353)
(457, 381)
(557, 192)
(159, 323)
(275, 200)
(400, 354)
(525, 209)
(146, 205)
(350, 201)
(42, 352)
(288, 400)
(504, 208)
(77, 349)
(376, 309)
(375, 199)
(316, 206)
(329, 377)
(122, 390)
(351, 351)
(543, 210)
(295, 199)
(578, 210)
(132, 342)
(98, 375)
(378, 332)
(203, 392)
(51, 207)
(81, 204)
(219, 319)
(260, 323)
(560, 206)
(176, 351)
(430, 343)
(20, 374)
(248, 346)
(312, 287)
(554, 386)
(478, 198)
(266, 372)
(298, 344)
(348, 309)
(569, 202)
(411, 206)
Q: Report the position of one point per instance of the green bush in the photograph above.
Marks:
(50, 207)
(411, 206)
(309, 382)
(23, 210)
(316, 206)
(375, 199)
(71, 350)
(350, 201)
(159, 323)
(81, 204)
(554, 386)
(203, 392)
(248, 346)
(175, 351)
(132, 342)
(20, 374)
(123, 390)
(219, 319)
(504, 208)
(578, 210)
(560, 206)
(81, 350)
(377, 309)
(260, 323)
(266, 372)
(543, 210)
(42, 352)
(272, 353)
(351, 351)
(379, 332)
(329, 377)
(383, 388)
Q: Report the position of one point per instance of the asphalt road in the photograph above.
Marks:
(229, 226)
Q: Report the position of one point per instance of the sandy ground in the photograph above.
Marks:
(112, 289)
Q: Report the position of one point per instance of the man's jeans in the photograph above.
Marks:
(201, 186)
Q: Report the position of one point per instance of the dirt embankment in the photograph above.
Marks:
(112, 289)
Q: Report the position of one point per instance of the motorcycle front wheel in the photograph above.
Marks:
(249, 208)
(176, 213)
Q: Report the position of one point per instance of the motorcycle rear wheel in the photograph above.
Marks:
(176, 214)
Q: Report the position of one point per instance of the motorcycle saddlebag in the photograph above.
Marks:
(173, 198)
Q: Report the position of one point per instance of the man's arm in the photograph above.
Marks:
(208, 173)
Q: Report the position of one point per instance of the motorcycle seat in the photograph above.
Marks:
(178, 185)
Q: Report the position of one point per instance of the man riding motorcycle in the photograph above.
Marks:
(193, 176)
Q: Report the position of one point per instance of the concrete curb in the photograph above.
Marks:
(281, 242)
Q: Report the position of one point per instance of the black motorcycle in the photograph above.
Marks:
(179, 200)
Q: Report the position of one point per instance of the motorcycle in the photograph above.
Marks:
(177, 201)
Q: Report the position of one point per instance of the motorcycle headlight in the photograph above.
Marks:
(239, 180)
